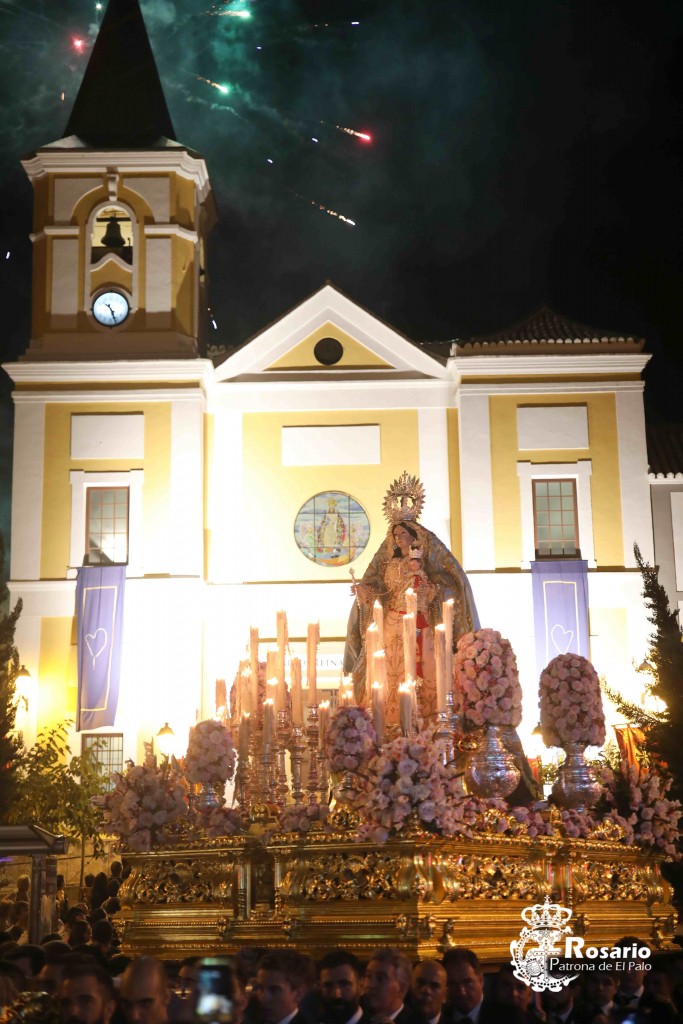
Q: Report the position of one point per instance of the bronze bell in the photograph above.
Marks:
(113, 239)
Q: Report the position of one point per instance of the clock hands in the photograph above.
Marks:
(111, 310)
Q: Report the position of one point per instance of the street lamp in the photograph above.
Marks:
(165, 738)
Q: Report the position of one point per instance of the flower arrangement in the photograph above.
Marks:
(32, 1008)
(210, 754)
(571, 703)
(223, 821)
(637, 800)
(351, 739)
(486, 680)
(302, 817)
(144, 802)
(408, 778)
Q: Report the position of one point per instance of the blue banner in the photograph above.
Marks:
(560, 594)
(99, 617)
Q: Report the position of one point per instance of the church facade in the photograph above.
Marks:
(232, 489)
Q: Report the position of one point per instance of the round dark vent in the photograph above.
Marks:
(328, 351)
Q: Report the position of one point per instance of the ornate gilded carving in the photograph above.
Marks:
(614, 880)
(491, 876)
(351, 876)
(164, 881)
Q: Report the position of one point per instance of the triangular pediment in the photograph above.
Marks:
(329, 335)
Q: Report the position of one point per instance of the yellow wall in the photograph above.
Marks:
(356, 356)
(454, 482)
(58, 673)
(56, 529)
(273, 493)
(605, 480)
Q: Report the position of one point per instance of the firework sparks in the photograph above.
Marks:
(78, 44)
(225, 89)
(365, 136)
(327, 210)
(230, 13)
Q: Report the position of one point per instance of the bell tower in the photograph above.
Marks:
(121, 213)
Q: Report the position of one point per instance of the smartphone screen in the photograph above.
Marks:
(215, 991)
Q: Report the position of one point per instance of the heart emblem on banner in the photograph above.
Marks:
(96, 643)
(561, 638)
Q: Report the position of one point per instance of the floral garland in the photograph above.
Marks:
(223, 821)
(571, 703)
(351, 739)
(301, 817)
(637, 800)
(486, 680)
(210, 753)
(144, 802)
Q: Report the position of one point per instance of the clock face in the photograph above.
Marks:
(110, 308)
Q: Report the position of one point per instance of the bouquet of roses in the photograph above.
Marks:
(223, 821)
(143, 804)
(638, 802)
(301, 817)
(407, 775)
(210, 754)
(486, 681)
(351, 739)
(571, 703)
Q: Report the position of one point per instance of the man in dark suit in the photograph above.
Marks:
(466, 1003)
(428, 991)
(340, 981)
(282, 979)
(387, 982)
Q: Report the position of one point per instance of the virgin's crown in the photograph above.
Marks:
(404, 500)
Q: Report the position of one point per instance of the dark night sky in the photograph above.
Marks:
(523, 152)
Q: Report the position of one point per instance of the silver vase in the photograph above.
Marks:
(576, 786)
(492, 770)
(210, 797)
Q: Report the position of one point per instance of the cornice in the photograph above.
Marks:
(543, 363)
(134, 371)
(567, 387)
(82, 160)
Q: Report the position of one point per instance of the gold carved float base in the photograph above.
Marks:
(421, 893)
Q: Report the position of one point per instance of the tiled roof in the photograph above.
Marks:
(549, 329)
(665, 448)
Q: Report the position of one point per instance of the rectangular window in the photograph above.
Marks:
(108, 751)
(555, 519)
(107, 526)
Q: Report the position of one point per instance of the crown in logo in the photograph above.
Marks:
(404, 500)
(547, 915)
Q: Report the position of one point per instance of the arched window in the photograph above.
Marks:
(112, 234)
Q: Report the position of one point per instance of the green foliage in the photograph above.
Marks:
(663, 730)
(10, 745)
(56, 790)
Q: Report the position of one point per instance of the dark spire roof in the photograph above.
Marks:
(665, 448)
(120, 104)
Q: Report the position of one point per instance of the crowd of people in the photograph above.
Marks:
(86, 980)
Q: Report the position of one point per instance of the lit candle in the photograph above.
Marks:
(253, 666)
(378, 710)
(378, 619)
(311, 658)
(409, 646)
(346, 691)
(244, 688)
(268, 723)
(440, 658)
(297, 695)
(405, 707)
(323, 709)
(272, 692)
(243, 743)
(411, 602)
(380, 668)
(371, 645)
(280, 659)
(447, 611)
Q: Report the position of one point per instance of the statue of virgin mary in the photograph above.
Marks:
(411, 556)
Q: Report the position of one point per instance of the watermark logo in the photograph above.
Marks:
(547, 956)
(547, 925)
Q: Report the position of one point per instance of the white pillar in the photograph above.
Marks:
(476, 488)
